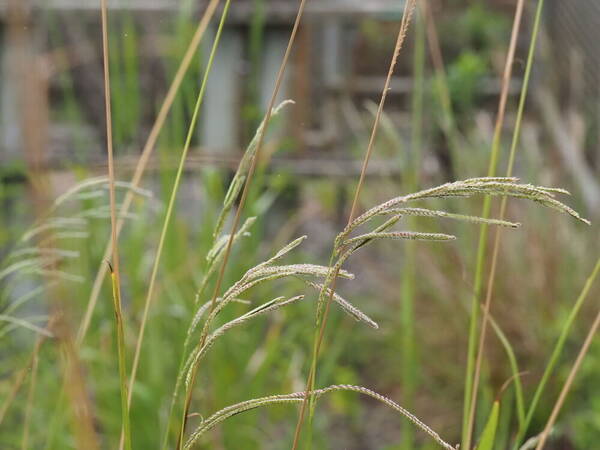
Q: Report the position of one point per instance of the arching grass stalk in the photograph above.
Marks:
(171, 203)
(298, 397)
(115, 274)
(321, 319)
(473, 361)
(216, 254)
(238, 213)
(346, 243)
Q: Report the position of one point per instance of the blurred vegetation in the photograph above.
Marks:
(542, 266)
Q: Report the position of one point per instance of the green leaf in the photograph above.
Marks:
(489, 432)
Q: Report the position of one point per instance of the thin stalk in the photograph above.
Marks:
(514, 366)
(409, 359)
(126, 425)
(21, 376)
(322, 321)
(237, 217)
(213, 261)
(558, 348)
(448, 120)
(33, 119)
(171, 203)
(29, 407)
(115, 275)
(251, 404)
(175, 392)
(140, 168)
(473, 361)
(188, 57)
(509, 171)
(567, 386)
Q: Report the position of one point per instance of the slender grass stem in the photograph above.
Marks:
(213, 258)
(20, 377)
(30, 397)
(237, 217)
(473, 361)
(567, 386)
(175, 392)
(509, 171)
(171, 204)
(115, 274)
(126, 425)
(140, 168)
(409, 359)
(322, 321)
(557, 351)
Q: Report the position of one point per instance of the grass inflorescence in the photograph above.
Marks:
(214, 291)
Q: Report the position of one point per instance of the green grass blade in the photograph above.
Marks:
(514, 367)
(488, 437)
(122, 364)
(171, 204)
(558, 348)
(482, 244)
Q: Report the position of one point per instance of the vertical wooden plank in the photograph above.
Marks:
(10, 135)
(302, 87)
(222, 104)
(335, 72)
(275, 45)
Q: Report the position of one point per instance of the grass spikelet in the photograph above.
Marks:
(265, 308)
(298, 397)
(505, 187)
(424, 212)
(261, 274)
(397, 235)
(57, 252)
(344, 247)
(215, 255)
(296, 269)
(82, 187)
(284, 251)
(25, 324)
(217, 250)
(55, 223)
(237, 184)
(346, 306)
